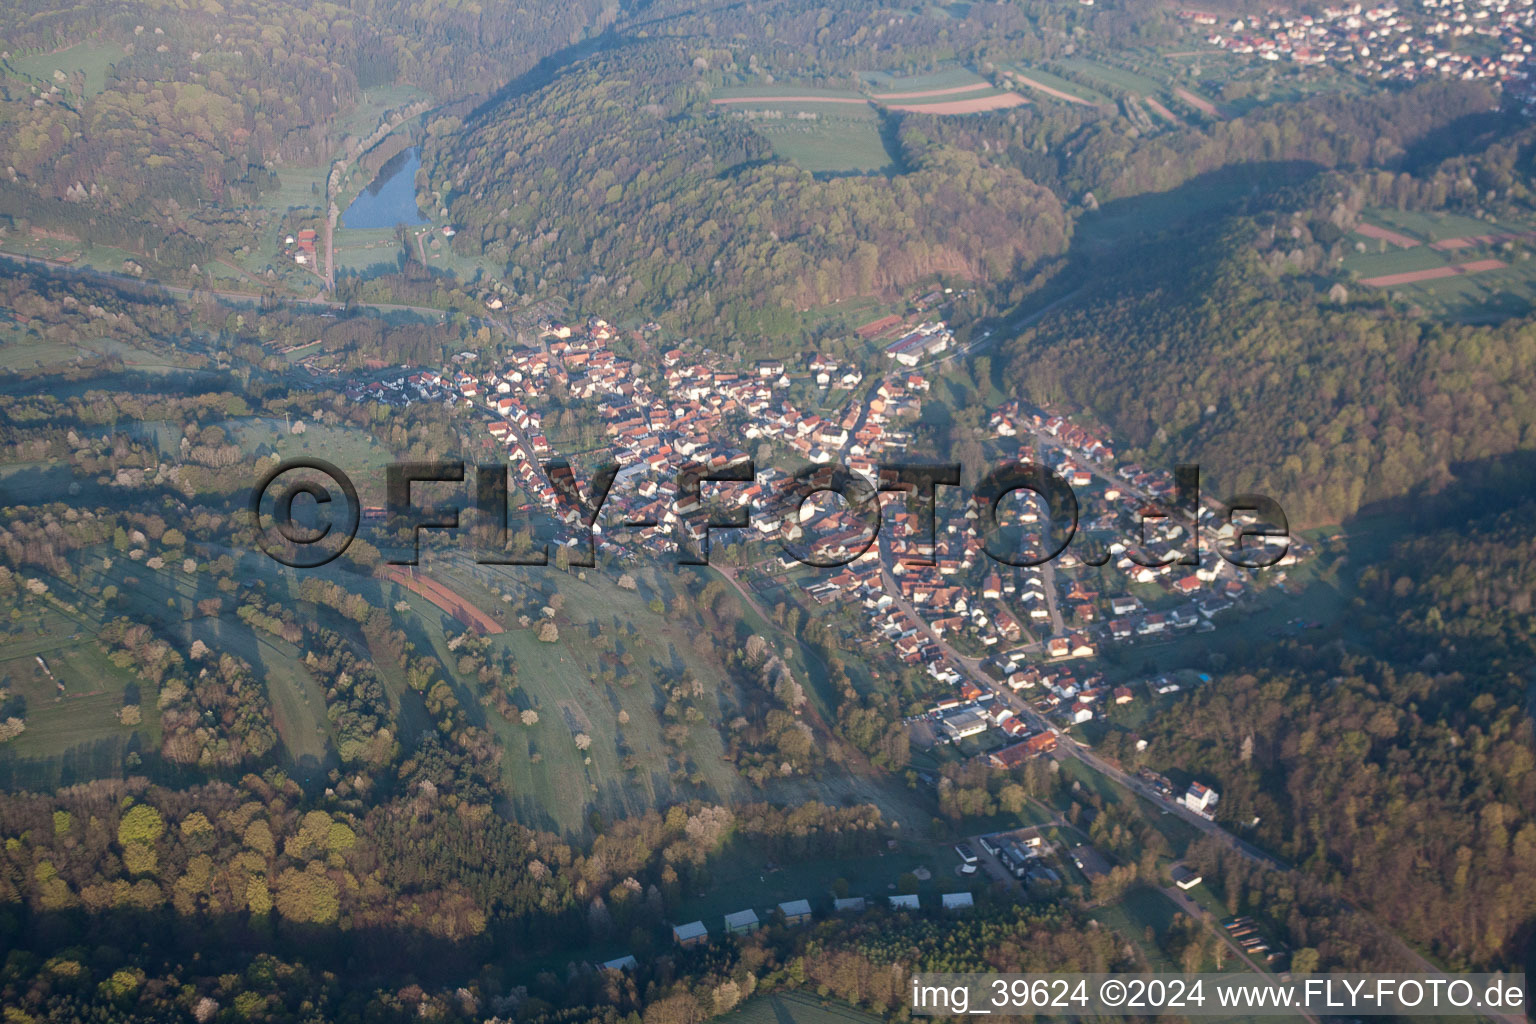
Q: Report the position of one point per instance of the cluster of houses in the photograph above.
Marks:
(301, 247)
(977, 712)
(692, 409)
(1389, 41)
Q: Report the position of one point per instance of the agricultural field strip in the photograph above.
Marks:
(921, 93)
(1415, 276)
(1002, 101)
(1055, 93)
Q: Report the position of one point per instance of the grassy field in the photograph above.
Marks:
(90, 60)
(1112, 76)
(742, 877)
(1139, 909)
(24, 350)
(823, 138)
(43, 247)
(796, 1008)
(1060, 84)
(364, 250)
(839, 140)
(629, 765)
(553, 782)
(1434, 226)
(1488, 295)
(364, 118)
(86, 712)
(782, 89)
(946, 78)
(354, 451)
(1393, 260)
(296, 696)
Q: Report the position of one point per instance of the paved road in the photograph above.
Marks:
(1048, 570)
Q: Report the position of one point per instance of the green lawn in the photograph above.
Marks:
(947, 78)
(364, 250)
(1113, 76)
(1492, 295)
(555, 784)
(796, 1008)
(1049, 80)
(1434, 226)
(829, 143)
(1139, 909)
(1489, 295)
(742, 877)
(91, 60)
(784, 89)
(353, 451)
(1393, 260)
(364, 118)
(94, 692)
(560, 681)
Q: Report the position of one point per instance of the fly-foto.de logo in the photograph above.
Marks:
(307, 513)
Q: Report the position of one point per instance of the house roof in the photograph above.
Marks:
(956, 900)
(620, 964)
(691, 930)
(851, 903)
(741, 918)
(904, 902)
(795, 908)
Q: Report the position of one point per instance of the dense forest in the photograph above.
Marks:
(698, 219)
(1227, 351)
(1402, 766)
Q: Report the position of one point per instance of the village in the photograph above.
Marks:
(1012, 648)
(1449, 39)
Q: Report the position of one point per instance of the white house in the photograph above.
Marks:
(1201, 799)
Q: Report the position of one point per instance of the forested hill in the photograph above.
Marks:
(1400, 765)
(1222, 349)
(619, 182)
(205, 103)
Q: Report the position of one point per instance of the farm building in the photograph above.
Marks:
(742, 922)
(1018, 753)
(1185, 878)
(691, 934)
(796, 911)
